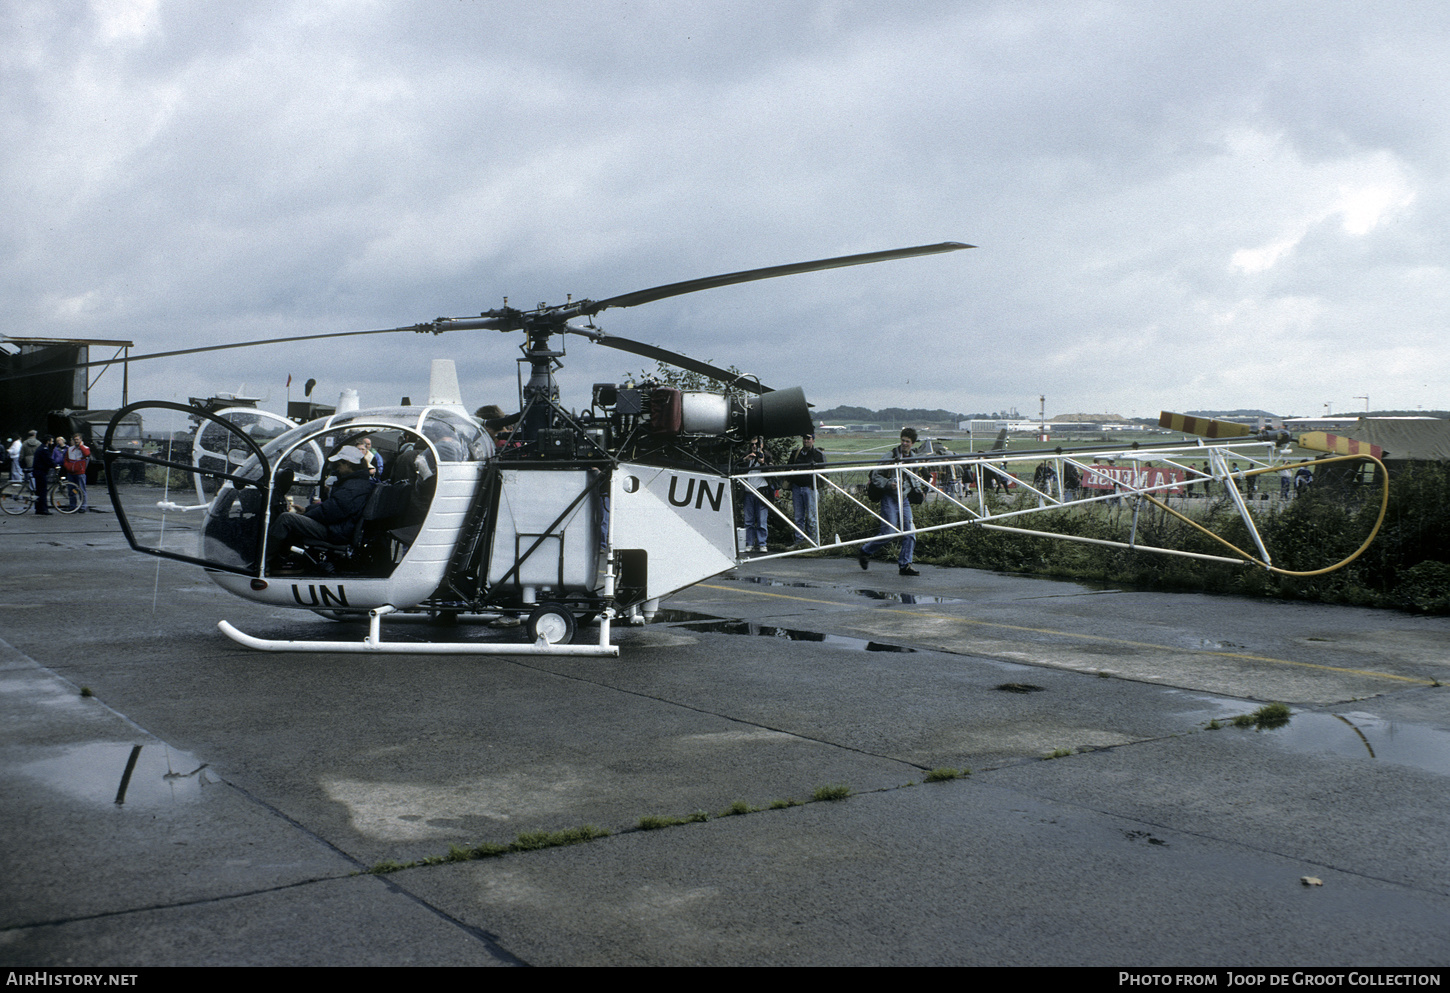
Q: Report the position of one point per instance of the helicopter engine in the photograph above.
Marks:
(651, 415)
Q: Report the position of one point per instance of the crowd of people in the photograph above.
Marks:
(891, 485)
(39, 462)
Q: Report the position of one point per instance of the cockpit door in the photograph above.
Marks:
(160, 494)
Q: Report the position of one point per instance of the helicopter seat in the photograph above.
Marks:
(369, 547)
(393, 512)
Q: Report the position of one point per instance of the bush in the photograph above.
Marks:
(1406, 567)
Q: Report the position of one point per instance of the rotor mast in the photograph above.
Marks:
(541, 392)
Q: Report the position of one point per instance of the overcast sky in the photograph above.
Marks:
(1177, 205)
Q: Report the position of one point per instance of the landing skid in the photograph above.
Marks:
(374, 643)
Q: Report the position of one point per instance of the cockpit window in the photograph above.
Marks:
(456, 437)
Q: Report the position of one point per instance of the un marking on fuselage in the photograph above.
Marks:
(704, 493)
(328, 598)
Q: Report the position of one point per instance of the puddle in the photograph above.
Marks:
(767, 581)
(1365, 736)
(789, 634)
(158, 775)
(669, 615)
(911, 598)
(1055, 596)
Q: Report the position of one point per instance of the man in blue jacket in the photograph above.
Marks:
(334, 519)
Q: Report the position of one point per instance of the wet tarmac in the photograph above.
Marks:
(173, 798)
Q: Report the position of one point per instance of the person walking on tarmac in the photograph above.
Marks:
(897, 489)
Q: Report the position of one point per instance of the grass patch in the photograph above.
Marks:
(87, 691)
(1059, 753)
(833, 791)
(651, 822)
(783, 804)
(530, 841)
(535, 840)
(1266, 718)
(1271, 715)
(737, 808)
(945, 774)
(1214, 724)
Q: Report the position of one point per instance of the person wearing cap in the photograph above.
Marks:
(27, 451)
(334, 519)
(803, 490)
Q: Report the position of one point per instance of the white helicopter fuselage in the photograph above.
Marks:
(413, 580)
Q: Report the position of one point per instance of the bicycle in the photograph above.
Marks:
(18, 497)
(66, 496)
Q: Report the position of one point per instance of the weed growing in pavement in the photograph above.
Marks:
(834, 791)
(945, 773)
(651, 822)
(1059, 753)
(1270, 716)
(1266, 718)
(524, 842)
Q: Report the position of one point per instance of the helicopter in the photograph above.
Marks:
(584, 515)
(580, 516)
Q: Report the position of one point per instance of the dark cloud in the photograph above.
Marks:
(1189, 204)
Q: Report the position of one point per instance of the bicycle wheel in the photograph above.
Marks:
(65, 496)
(16, 498)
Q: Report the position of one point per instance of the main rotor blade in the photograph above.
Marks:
(591, 307)
(734, 379)
(208, 348)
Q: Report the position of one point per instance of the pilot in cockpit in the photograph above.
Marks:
(333, 519)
